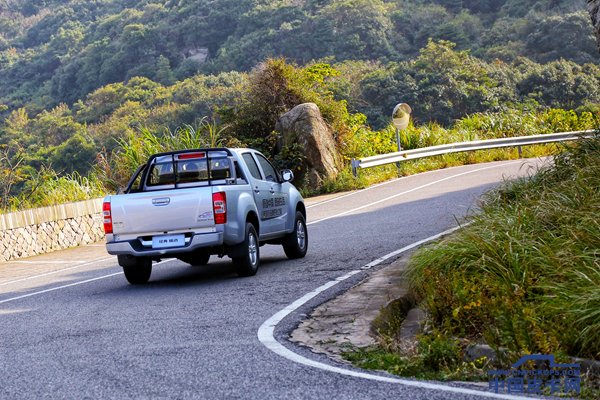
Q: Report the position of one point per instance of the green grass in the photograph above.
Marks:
(524, 276)
(436, 357)
(530, 261)
(47, 188)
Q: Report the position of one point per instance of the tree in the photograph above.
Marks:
(11, 171)
(164, 75)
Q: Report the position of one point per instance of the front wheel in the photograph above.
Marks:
(247, 265)
(138, 272)
(295, 244)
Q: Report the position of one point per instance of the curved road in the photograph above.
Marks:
(83, 332)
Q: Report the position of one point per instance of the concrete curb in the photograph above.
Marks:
(351, 320)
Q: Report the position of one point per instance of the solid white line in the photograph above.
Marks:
(55, 272)
(408, 191)
(59, 287)
(266, 336)
(45, 262)
(396, 180)
(71, 284)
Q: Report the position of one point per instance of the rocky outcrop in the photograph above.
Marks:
(593, 7)
(305, 125)
(199, 55)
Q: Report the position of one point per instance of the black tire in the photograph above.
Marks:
(295, 244)
(140, 272)
(247, 265)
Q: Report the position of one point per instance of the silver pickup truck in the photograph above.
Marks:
(190, 204)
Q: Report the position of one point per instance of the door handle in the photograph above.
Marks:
(256, 190)
(161, 202)
(272, 191)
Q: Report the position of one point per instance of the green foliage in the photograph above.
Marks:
(11, 171)
(275, 88)
(46, 188)
(117, 168)
(524, 274)
(60, 51)
(435, 357)
(444, 85)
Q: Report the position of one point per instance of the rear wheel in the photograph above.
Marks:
(247, 265)
(138, 272)
(295, 244)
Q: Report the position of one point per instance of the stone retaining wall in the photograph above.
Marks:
(41, 230)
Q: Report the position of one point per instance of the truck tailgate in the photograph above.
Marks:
(162, 211)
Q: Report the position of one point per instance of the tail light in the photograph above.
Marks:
(108, 228)
(220, 207)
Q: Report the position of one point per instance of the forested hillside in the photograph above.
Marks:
(56, 51)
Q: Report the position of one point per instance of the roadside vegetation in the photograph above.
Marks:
(523, 277)
(87, 89)
(106, 137)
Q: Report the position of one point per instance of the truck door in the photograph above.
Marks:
(262, 194)
(276, 206)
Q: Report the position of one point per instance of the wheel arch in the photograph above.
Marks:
(302, 208)
(253, 219)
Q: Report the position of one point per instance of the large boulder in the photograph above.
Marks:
(305, 125)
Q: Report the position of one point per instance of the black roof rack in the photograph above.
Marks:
(176, 152)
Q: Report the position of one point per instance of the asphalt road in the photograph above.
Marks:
(191, 332)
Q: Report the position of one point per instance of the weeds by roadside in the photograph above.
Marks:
(523, 277)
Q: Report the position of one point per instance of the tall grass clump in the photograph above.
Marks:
(524, 276)
(117, 168)
(48, 188)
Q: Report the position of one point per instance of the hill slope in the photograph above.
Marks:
(60, 50)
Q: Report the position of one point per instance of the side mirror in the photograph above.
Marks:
(287, 175)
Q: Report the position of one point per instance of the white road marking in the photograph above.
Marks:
(266, 336)
(409, 191)
(55, 272)
(71, 284)
(58, 288)
(44, 262)
(395, 180)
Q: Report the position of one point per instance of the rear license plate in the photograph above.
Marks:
(160, 242)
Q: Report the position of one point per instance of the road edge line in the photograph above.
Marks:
(55, 272)
(71, 284)
(408, 191)
(353, 192)
(267, 329)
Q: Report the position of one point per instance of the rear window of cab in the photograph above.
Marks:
(188, 168)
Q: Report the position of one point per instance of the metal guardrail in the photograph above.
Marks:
(415, 154)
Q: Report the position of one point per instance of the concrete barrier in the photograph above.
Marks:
(41, 230)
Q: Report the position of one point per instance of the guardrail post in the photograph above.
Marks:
(355, 164)
(520, 151)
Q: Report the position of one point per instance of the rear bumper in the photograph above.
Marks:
(135, 248)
